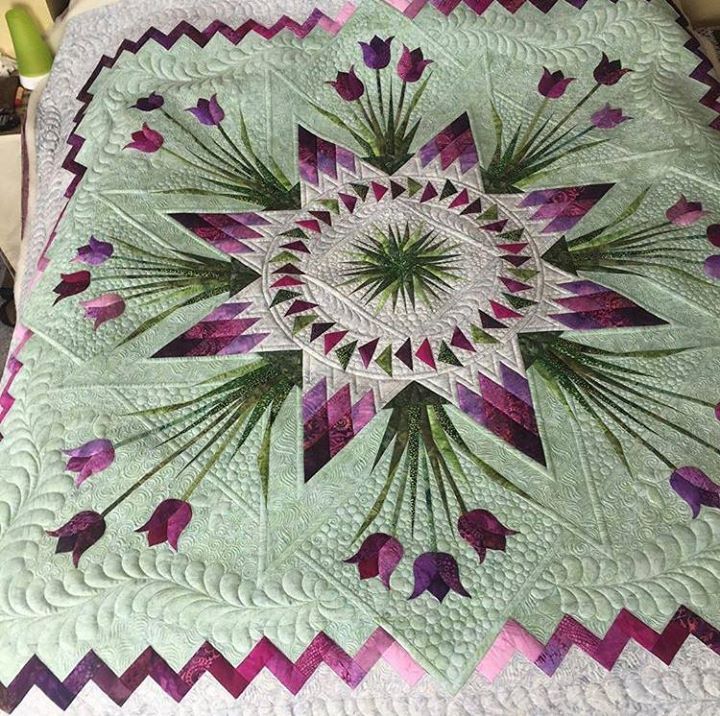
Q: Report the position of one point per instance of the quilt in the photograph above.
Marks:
(381, 334)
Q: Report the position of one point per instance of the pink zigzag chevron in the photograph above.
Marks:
(323, 650)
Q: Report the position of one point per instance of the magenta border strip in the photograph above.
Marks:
(352, 670)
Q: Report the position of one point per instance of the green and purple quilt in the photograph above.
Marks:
(382, 333)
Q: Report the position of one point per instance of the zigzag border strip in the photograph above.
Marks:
(352, 670)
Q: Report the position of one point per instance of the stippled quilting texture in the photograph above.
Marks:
(380, 330)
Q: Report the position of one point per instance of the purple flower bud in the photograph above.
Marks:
(150, 103)
(79, 534)
(411, 65)
(378, 556)
(94, 252)
(609, 73)
(712, 266)
(483, 531)
(553, 84)
(696, 488)
(146, 140)
(684, 212)
(90, 459)
(104, 308)
(208, 111)
(437, 573)
(168, 521)
(348, 85)
(713, 234)
(376, 53)
(71, 284)
(608, 118)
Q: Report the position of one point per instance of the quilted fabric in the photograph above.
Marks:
(381, 332)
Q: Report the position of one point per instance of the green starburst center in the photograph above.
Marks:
(410, 264)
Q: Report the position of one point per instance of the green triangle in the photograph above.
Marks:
(241, 276)
(559, 255)
(534, 346)
(331, 204)
(480, 336)
(523, 274)
(384, 360)
(302, 322)
(448, 190)
(361, 190)
(518, 301)
(513, 236)
(415, 395)
(284, 257)
(446, 355)
(283, 295)
(413, 187)
(344, 353)
(295, 234)
(491, 213)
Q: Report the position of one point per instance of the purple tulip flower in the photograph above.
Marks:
(94, 252)
(609, 73)
(104, 308)
(376, 53)
(712, 268)
(608, 118)
(71, 284)
(696, 488)
(684, 212)
(90, 459)
(208, 111)
(348, 85)
(150, 103)
(411, 65)
(79, 534)
(713, 234)
(146, 140)
(553, 84)
(168, 521)
(378, 556)
(483, 531)
(437, 573)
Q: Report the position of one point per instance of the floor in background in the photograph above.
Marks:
(5, 331)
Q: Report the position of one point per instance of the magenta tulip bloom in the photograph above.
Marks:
(146, 140)
(79, 534)
(553, 84)
(168, 521)
(378, 556)
(150, 103)
(94, 252)
(608, 118)
(208, 112)
(376, 53)
(483, 531)
(411, 65)
(348, 85)
(696, 488)
(90, 459)
(609, 73)
(71, 284)
(437, 573)
(684, 212)
(104, 308)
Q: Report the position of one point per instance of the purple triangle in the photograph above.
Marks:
(488, 321)
(318, 329)
(404, 354)
(367, 351)
(429, 193)
(459, 340)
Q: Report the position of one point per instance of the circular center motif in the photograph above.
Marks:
(390, 278)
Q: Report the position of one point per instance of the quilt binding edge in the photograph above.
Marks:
(513, 638)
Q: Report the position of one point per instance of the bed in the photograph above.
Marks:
(367, 362)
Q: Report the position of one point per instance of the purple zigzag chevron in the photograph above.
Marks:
(221, 333)
(318, 156)
(593, 306)
(329, 424)
(455, 143)
(352, 670)
(506, 410)
(228, 233)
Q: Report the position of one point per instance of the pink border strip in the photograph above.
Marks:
(380, 645)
